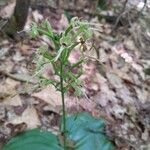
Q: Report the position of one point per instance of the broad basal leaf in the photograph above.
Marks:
(87, 132)
(33, 140)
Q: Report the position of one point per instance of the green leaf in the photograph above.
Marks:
(84, 28)
(64, 52)
(34, 33)
(44, 32)
(49, 28)
(67, 40)
(33, 140)
(68, 50)
(44, 81)
(77, 64)
(87, 132)
(43, 50)
(68, 30)
(59, 53)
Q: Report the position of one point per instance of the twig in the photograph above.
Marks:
(121, 14)
(17, 77)
(145, 2)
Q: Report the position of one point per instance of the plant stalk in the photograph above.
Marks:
(63, 103)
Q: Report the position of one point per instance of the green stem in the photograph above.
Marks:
(63, 103)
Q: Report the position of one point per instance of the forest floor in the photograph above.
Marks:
(116, 87)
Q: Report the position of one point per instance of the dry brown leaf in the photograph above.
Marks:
(8, 88)
(74, 57)
(25, 49)
(29, 116)
(50, 96)
(13, 101)
(142, 94)
(88, 105)
(7, 11)
(102, 99)
(125, 95)
(145, 135)
(89, 69)
(18, 57)
(114, 80)
(105, 95)
(130, 44)
(63, 22)
(7, 65)
(11, 83)
(37, 16)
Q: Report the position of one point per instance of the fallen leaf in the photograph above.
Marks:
(145, 135)
(142, 94)
(50, 96)
(7, 11)
(125, 95)
(11, 83)
(102, 99)
(74, 57)
(114, 80)
(18, 57)
(87, 104)
(8, 88)
(25, 49)
(63, 22)
(37, 16)
(13, 101)
(29, 116)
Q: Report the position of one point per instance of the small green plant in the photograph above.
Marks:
(77, 33)
(80, 131)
